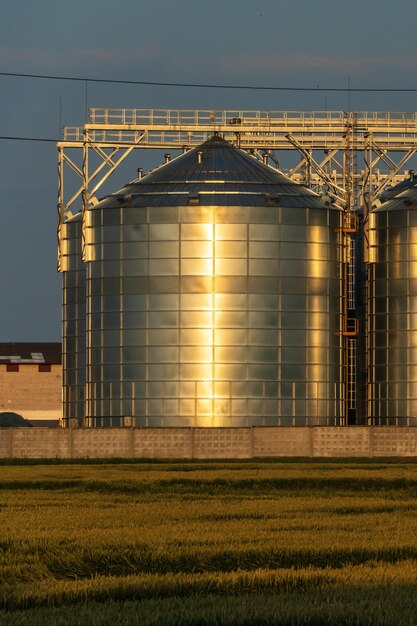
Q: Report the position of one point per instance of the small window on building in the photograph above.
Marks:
(43, 367)
(12, 367)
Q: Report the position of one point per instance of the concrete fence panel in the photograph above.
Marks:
(39, 443)
(163, 443)
(282, 441)
(6, 443)
(208, 443)
(101, 443)
(389, 441)
(334, 441)
(222, 443)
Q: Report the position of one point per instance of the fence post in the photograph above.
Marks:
(311, 433)
(192, 442)
(132, 442)
(11, 443)
(252, 442)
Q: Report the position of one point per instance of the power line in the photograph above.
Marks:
(43, 139)
(212, 86)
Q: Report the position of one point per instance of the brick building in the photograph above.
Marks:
(30, 381)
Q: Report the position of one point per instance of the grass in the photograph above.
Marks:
(248, 542)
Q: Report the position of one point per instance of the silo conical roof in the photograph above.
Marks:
(403, 201)
(217, 173)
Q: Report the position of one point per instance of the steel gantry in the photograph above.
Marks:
(351, 156)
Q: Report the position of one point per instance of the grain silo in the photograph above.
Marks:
(213, 298)
(392, 311)
(74, 320)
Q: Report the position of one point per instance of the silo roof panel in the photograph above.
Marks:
(215, 172)
(407, 200)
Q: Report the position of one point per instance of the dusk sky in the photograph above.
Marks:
(283, 43)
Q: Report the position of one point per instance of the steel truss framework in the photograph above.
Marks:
(350, 156)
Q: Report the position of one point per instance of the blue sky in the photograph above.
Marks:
(257, 42)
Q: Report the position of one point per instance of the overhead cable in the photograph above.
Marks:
(10, 138)
(212, 86)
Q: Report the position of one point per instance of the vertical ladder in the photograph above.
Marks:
(351, 373)
(350, 226)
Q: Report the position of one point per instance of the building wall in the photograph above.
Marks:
(208, 443)
(31, 393)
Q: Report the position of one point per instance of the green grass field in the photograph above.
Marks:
(268, 542)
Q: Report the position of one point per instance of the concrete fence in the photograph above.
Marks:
(208, 443)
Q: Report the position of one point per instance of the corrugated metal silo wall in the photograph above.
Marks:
(74, 323)
(214, 316)
(392, 315)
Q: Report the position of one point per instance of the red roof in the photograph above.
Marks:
(28, 352)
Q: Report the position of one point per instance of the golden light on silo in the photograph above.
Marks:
(392, 319)
(211, 299)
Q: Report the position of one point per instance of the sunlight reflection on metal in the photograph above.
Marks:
(203, 315)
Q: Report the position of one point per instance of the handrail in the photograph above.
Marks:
(193, 117)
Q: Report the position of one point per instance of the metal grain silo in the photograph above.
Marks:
(73, 320)
(392, 311)
(214, 291)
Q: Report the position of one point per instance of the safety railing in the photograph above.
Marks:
(398, 130)
(197, 117)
